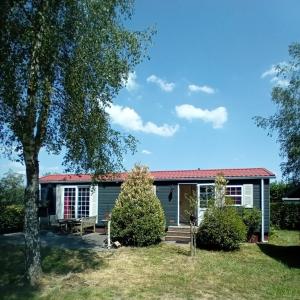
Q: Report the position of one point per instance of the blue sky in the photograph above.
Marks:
(210, 72)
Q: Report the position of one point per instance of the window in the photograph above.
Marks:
(235, 194)
(76, 202)
(207, 193)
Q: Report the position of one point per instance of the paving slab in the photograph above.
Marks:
(67, 241)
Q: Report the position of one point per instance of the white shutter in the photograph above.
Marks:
(154, 189)
(248, 195)
(59, 202)
(94, 201)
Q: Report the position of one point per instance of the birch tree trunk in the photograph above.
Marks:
(31, 228)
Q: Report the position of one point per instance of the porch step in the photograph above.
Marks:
(185, 229)
(178, 239)
(179, 234)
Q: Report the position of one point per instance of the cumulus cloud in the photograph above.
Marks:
(129, 119)
(193, 88)
(131, 83)
(164, 85)
(275, 78)
(217, 116)
(147, 152)
(270, 72)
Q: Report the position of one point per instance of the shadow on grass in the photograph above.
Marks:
(288, 255)
(54, 261)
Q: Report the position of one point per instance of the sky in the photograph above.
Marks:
(211, 70)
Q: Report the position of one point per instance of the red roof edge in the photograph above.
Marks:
(168, 175)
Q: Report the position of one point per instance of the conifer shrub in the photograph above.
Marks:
(138, 217)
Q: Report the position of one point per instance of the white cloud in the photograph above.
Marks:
(147, 152)
(165, 86)
(217, 116)
(131, 83)
(129, 119)
(193, 88)
(280, 82)
(270, 72)
(275, 78)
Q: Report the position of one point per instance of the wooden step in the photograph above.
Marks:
(178, 233)
(182, 239)
(178, 229)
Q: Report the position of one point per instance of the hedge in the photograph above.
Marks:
(285, 215)
(11, 218)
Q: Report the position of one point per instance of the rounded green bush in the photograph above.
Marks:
(221, 229)
(11, 218)
(137, 218)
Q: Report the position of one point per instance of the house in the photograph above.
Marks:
(73, 196)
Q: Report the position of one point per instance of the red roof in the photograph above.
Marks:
(169, 175)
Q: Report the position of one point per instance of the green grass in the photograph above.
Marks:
(269, 271)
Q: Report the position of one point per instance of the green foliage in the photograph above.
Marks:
(285, 215)
(221, 229)
(137, 218)
(12, 188)
(62, 63)
(11, 218)
(285, 121)
(277, 191)
(252, 219)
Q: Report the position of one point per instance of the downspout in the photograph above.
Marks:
(178, 202)
(262, 211)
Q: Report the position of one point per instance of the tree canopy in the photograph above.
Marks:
(286, 120)
(59, 61)
(62, 63)
(12, 188)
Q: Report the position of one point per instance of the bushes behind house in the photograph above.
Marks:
(252, 219)
(221, 229)
(137, 218)
(11, 218)
(285, 215)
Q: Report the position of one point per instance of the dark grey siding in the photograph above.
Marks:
(48, 196)
(168, 195)
(257, 196)
(166, 192)
(107, 196)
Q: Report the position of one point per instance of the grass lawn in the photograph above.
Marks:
(166, 271)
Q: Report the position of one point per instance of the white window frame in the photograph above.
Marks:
(242, 194)
(76, 197)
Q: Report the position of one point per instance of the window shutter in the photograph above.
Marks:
(59, 202)
(248, 195)
(154, 189)
(94, 201)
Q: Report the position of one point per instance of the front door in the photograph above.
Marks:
(205, 194)
(187, 191)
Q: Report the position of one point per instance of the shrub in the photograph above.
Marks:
(137, 218)
(252, 219)
(285, 215)
(11, 218)
(221, 229)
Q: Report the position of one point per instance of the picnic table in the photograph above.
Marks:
(67, 225)
(75, 225)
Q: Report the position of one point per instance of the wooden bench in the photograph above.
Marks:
(84, 223)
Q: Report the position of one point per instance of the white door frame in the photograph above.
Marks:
(178, 196)
(200, 210)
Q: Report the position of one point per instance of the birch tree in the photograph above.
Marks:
(61, 64)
